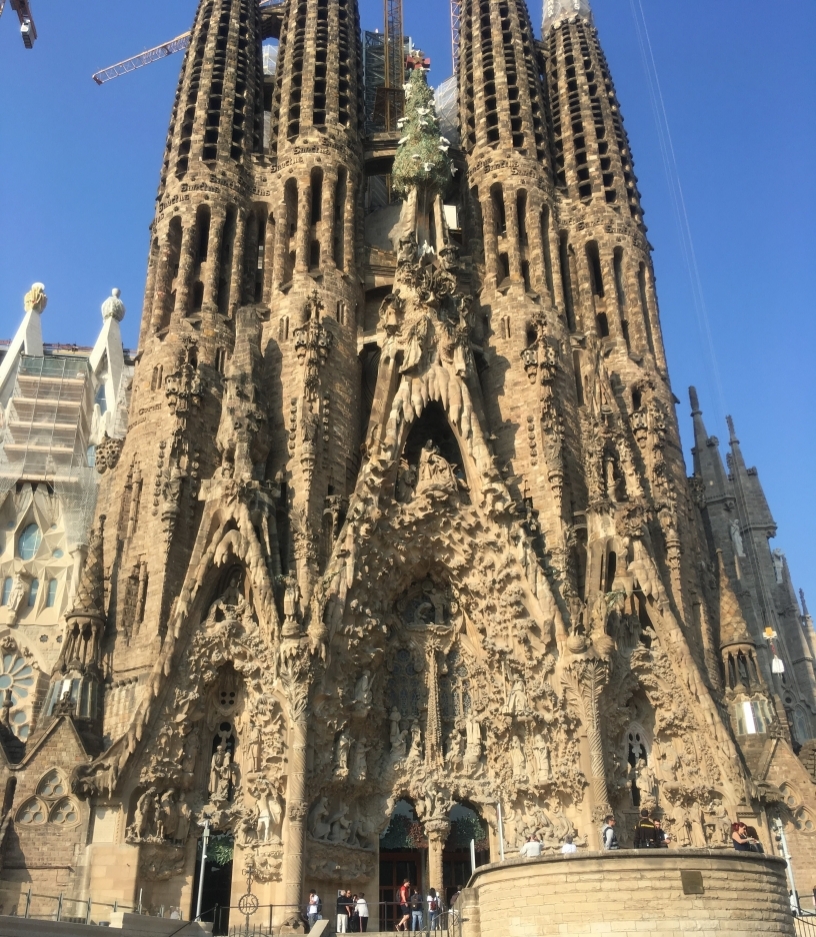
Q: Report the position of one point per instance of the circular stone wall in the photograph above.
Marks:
(630, 893)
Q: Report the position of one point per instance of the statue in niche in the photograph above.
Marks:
(269, 813)
(473, 751)
(643, 778)
(255, 747)
(167, 816)
(397, 737)
(391, 312)
(341, 754)
(517, 699)
(406, 482)
(216, 764)
(415, 755)
(429, 608)
(185, 819)
(340, 824)
(518, 760)
(144, 817)
(456, 750)
(317, 823)
(363, 696)
(19, 590)
(190, 756)
(231, 603)
(359, 766)
(736, 537)
(434, 470)
(542, 759)
(291, 606)
(779, 564)
(407, 250)
(720, 826)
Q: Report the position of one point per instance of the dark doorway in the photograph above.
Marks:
(215, 898)
(466, 825)
(434, 425)
(401, 858)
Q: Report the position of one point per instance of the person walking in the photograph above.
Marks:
(416, 910)
(362, 912)
(608, 834)
(435, 911)
(342, 913)
(662, 837)
(404, 905)
(313, 909)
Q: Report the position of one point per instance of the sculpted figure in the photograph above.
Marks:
(316, 824)
(225, 777)
(19, 590)
(362, 691)
(35, 299)
(407, 250)
(434, 469)
(473, 752)
(517, 700)
(644, 779)
(359, 768)
(340, 824)
(456, 750)
(736, 537)
(185, 816)
(342, 754)
(168, 818)
(216, 764)
(144, 818)
(256, 747)
(397, 737)
(415, 755)
(542, 757)
(518, 760)
(406, 482)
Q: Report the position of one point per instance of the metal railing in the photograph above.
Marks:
(40, 907)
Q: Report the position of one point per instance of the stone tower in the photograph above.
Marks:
(400, 551)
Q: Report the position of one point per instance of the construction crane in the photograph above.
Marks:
(28, 31)
(271, 19)
(456, 27)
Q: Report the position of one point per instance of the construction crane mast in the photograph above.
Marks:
(392, 100)
(28, 31)
(456, 27)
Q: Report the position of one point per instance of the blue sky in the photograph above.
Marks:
(80, 167)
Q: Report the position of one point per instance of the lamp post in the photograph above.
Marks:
(204, 840)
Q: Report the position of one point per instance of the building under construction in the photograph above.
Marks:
(398, 565)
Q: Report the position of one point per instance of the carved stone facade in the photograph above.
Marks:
(402, 530)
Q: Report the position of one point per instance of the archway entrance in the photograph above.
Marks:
(466, 826)
(217, 891)
(403, 855)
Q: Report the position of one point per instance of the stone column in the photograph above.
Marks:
(187, 256)
(304, 228)
(437, 832)
(584, 679)
(217, 222)
(327, 210)
(295, 678)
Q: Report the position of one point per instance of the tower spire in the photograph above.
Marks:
(554, 10)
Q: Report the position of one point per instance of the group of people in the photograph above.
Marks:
(532, 847)
(352, 912)
(649, 833)
(412, 908)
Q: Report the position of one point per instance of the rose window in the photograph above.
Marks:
(16, 675)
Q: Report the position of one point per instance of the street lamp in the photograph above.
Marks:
(204, 840)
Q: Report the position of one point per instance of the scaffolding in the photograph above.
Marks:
(447, 109)
(46, 435)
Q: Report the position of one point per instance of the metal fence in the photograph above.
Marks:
(39, 907)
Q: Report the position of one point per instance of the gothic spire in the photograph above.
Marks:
(556, 9)
(708, 463)
(89, 601)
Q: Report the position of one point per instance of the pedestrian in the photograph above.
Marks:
(313, 909)
(416, 910)
(608, 834)
(404, 905)
(739, 837)
(661, 835)
(531, 849)
(435, 912)
(645, 832)
(569, 846)
(354, 917)
(342, 913)
(362, 912)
